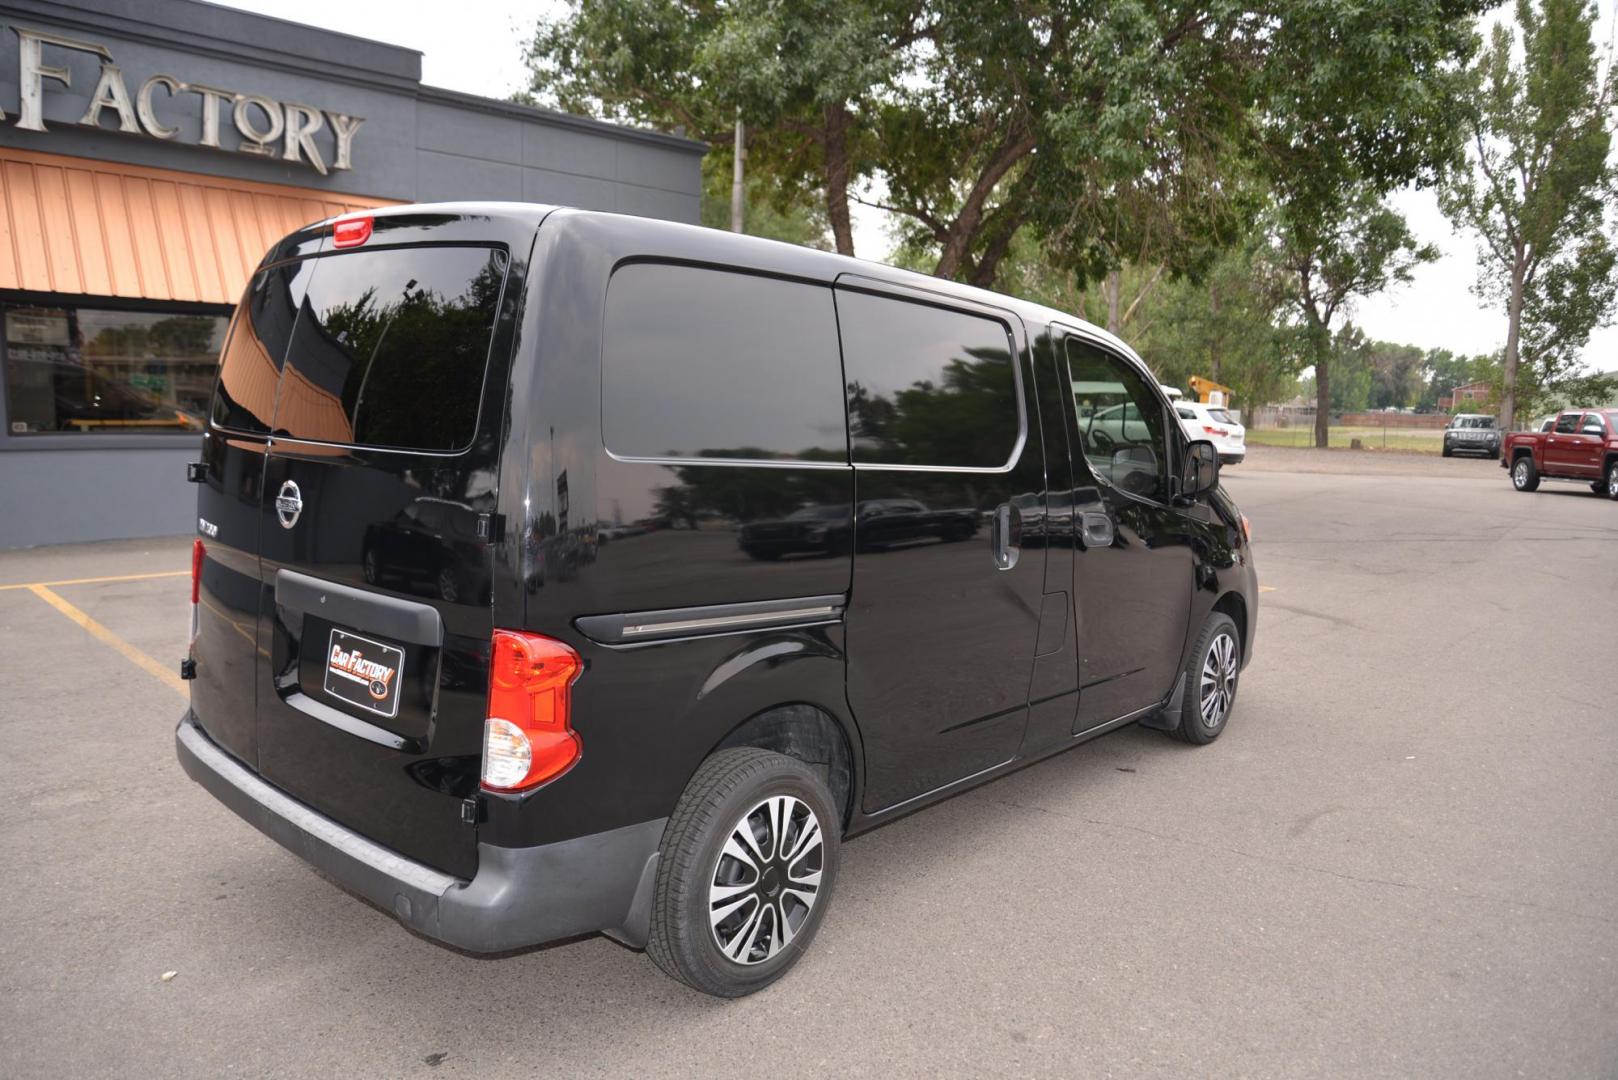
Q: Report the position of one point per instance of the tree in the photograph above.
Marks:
(1537, 189)
(1135, 131)
(1329, 256)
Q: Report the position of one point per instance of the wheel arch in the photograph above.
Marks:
(807, 733)
(1234, 605)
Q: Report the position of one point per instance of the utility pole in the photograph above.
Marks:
(736, 186)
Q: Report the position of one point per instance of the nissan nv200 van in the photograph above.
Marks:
(560, 572)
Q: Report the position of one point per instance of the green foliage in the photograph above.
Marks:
(1135, 131)
(1323, 256)
(1539, 182)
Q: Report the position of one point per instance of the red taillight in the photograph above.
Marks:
(528, 737)
(198, 553)
(1221, 432)
(351, 232)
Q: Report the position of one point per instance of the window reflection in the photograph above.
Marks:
(1121, 423)
(93, 370)
(391, 347)
(926, 385)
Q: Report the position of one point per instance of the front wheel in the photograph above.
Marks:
(1524, 476)
(1612, 479)
(1211, 676)
(746, 871)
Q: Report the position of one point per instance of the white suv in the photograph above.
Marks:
(1217, 426)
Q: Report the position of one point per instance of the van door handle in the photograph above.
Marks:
(1006, 536)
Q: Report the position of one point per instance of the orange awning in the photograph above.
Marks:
(72, 225)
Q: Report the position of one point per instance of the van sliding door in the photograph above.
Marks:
(949, 475)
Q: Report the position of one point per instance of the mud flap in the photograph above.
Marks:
(1166, 717)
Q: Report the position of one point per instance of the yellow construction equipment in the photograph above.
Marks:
(1209, 392)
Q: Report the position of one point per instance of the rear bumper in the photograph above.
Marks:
(519, 897)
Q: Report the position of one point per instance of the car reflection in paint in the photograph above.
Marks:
(881, 524)
(431, 548)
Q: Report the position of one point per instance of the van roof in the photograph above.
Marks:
(753, 252)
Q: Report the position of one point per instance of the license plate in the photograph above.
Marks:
(363, 672)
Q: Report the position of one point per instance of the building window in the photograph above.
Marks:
(90, 370)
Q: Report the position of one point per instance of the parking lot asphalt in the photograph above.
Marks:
(1400, 859)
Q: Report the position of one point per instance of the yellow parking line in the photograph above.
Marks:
(97, 580)
(1266, 588)
(101, 633)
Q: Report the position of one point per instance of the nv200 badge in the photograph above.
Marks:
(364, 672)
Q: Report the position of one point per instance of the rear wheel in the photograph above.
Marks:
(747, 867)
(1524, 477)
(1211, 676)
(1612, 479)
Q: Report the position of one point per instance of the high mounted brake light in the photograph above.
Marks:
(528, 738)
(351, 232)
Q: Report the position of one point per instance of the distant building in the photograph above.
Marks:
(1473, 393)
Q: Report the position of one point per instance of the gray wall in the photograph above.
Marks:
(418, 144)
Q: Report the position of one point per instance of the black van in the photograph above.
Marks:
(872, 542)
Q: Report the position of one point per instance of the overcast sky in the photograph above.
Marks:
(479, 51)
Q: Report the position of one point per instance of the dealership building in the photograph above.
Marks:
(150, 152)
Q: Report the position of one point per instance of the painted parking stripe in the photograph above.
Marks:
(97, 580)
(167, 674)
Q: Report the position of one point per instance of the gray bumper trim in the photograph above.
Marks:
(520, 896)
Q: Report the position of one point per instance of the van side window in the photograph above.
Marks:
(927, 385)
(1121, 422)
(708, 363)
(391, 348)
(250, 369)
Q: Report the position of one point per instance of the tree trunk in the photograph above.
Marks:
(738, 186)
(964, 231)
(1114, 285)
(1319, 337)
(838, 122)
(1508, 390)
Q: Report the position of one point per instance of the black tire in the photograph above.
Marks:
(1447, 451)
(1197, 725)
(1524, 475)
(729, 791)
(1598, 486)
(1612, 479)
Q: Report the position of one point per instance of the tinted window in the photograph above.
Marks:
(1591, 424)
(250, 369)
(391, 347)
(926, 385)
(709, 363)
(1567, 423)
(1121, 422)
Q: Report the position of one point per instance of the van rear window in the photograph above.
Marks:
(250, 369)
(391, 346)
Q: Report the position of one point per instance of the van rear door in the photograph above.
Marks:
(375, 518)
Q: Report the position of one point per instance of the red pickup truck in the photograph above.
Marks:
(1582, 444)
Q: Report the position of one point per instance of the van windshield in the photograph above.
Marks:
(390, 348)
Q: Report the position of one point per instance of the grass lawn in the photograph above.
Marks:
(1419, 440)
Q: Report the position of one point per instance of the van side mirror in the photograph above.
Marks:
(1201, 469)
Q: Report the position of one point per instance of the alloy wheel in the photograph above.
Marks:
(1218, 686)
(1519, 472)
(766, 880)
(1612, 481)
